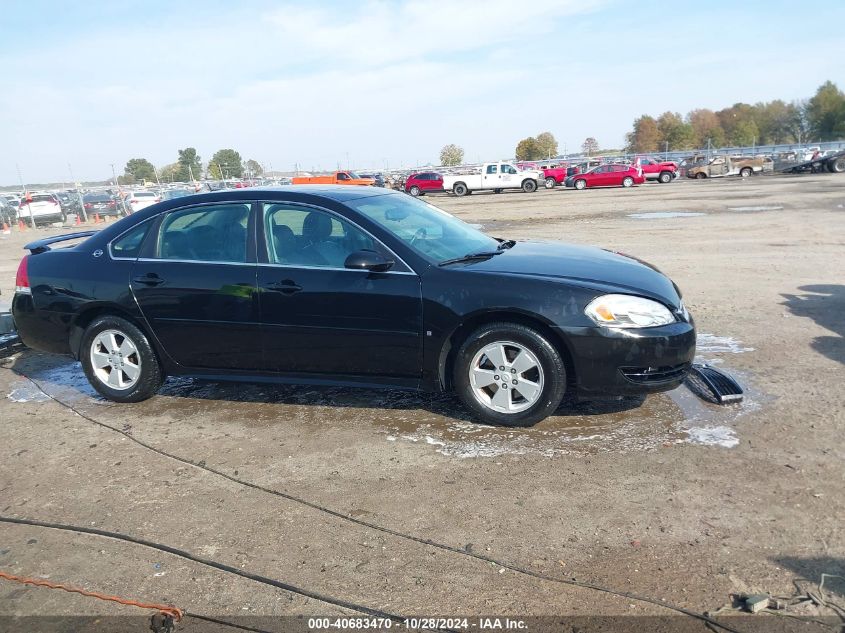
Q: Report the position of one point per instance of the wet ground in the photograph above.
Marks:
(667, 496)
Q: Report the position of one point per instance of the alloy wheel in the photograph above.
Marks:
(506, 377)
(115, 360)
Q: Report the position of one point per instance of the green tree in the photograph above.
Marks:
(674, 133)
(189, 164)
(645, 136)
(706, 126)
(170, 173)
(451, 155)
(590, 146)
(214, 171)
(230, 161)
(254, 168)
(547, 144)
(140, 169)
(529, 149)
(826, 112)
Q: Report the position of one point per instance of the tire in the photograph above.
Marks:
(664, 177)
(700, 175)
(745, 172)
(497, 191)
(545, 373)
(580, 184)
(551, 183)
(414, 191)
(529, 186)
(836, 166)
(460, 189)
(627, 181)
(138, 354)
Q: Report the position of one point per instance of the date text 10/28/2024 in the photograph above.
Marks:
(421, 623)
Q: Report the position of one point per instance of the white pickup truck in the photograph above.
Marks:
(493, 176)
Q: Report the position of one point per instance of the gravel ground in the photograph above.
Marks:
(671, 498)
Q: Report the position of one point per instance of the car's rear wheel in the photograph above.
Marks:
(529, 186)
(627, 181)
(119, 361)
(581, 184)
(664, 177)
(550, 183)
(460, 189)
(509, 374)
(700, 176)
(414, 191)
(745, 172)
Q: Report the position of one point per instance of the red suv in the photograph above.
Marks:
(423, 182)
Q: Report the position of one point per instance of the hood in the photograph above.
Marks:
(585, 265)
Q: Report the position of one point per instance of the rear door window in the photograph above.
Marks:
(214, 233)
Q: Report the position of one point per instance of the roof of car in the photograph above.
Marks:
(340, 193)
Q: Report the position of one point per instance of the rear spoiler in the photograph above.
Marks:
(42, 246)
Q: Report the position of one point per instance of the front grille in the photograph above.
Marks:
(655, 375)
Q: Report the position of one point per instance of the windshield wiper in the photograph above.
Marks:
(504, 244)
(470, 257)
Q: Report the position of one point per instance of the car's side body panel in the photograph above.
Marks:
(397, 328)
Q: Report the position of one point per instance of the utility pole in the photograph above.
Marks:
(78, 194)
(26, 197)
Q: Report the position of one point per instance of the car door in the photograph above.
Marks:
(195, 284)
(427, 182)
(508, 176)
(491, 178)
(319, 317)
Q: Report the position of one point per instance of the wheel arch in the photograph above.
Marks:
(87, 316)
(472, 322)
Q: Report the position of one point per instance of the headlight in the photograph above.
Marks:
(627, 311)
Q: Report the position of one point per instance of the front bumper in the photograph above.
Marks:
(619, 362)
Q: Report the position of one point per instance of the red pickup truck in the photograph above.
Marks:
(556, 175)
(653, 169)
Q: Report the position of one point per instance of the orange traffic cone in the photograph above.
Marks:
(78, 221)
(96, 218)
(21, 225)
(6, 230)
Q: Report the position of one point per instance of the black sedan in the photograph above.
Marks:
(350, 286)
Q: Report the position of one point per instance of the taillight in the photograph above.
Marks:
(88, 205)
(111, 204)
(22, 277)
(133, 202)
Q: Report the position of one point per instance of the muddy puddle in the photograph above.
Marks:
(663, 215)
(435, 421)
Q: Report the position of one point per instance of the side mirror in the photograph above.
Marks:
(368, 260)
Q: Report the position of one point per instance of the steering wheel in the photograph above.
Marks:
(419, 235)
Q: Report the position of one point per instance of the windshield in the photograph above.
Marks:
(429, 231)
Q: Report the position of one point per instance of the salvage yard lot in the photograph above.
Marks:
(671, 498)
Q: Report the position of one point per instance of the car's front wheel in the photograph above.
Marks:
(529, 186)
(665, 177)
(119, 361)
(550, 183)
(509, 374)
(581, 184)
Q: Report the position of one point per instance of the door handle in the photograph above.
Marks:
(287, 286)
(150, 279)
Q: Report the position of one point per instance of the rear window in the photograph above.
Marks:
(144, 194)
(41, 198)
(96, 197)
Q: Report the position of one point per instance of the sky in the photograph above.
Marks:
(378, 84)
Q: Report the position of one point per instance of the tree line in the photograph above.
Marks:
(820, 118)
(226, 163)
